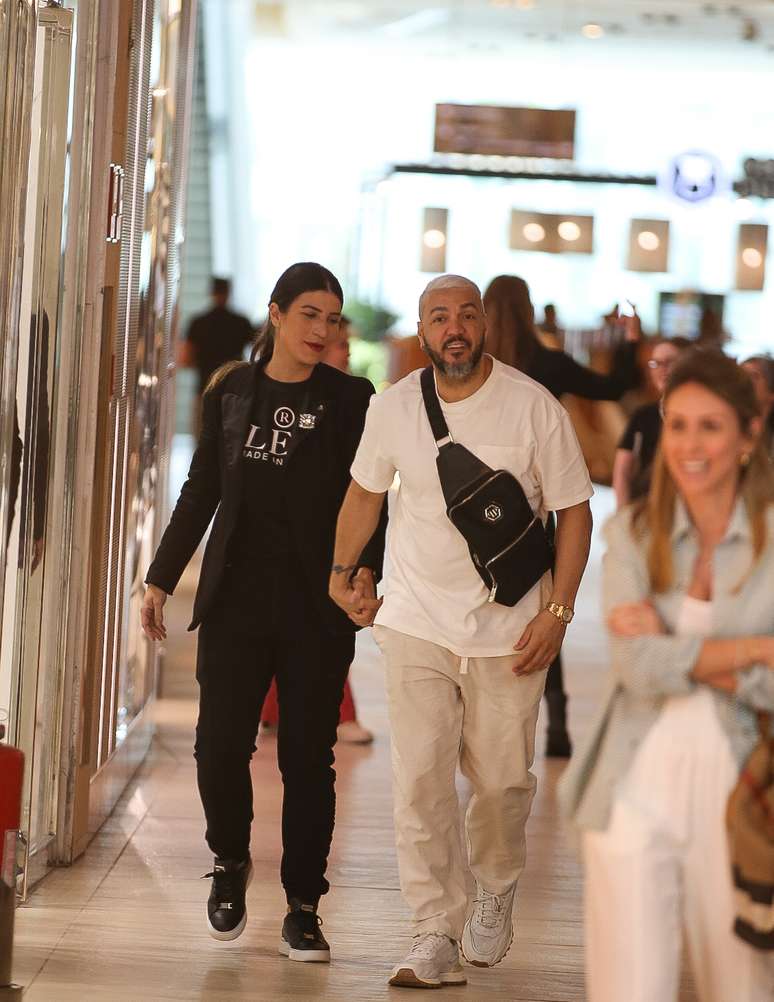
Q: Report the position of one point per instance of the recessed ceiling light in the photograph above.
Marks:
(593, 30)
(569, 231)
(525, 4)
(648, 240)
(534, 232)
(752, 257)
(434, 238)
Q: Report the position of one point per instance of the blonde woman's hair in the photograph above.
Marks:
(654, 515)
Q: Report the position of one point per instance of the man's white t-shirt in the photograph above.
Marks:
(432, 590)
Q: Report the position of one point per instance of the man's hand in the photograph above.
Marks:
(539, 644)
(152, 615)
(635, 619)
(356, 595)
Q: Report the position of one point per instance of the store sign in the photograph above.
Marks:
(490, 130)
(693, 176)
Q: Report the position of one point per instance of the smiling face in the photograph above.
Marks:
(703, 442)
(308, 327)
(452, 329)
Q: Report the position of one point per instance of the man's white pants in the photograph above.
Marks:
(443, 710)
(661, 870)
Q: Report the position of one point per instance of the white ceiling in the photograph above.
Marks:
(748, 24)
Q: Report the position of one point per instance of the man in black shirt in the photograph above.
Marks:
(217, 336)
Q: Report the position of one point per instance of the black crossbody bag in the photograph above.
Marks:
(507, 541)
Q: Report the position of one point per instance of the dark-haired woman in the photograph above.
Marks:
(512, 338)
(272, 466)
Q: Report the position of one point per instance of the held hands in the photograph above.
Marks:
(152, 615)
(356, 595)
(539, 643)
(635, 619)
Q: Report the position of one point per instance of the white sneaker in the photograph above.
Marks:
(488, 933)
(353, 733)
(432, 961)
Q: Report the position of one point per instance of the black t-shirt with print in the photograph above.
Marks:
(282, 417)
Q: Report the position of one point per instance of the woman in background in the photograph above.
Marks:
(687, 595)
(637, 448)
(512, 338)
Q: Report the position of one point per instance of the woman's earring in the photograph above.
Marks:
(744, 460)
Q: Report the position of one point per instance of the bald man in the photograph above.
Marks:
(464, 674)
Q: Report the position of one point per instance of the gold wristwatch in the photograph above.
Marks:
(562, 612)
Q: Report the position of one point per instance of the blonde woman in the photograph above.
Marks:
(690, 608)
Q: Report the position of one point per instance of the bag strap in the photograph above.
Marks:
(440, 429)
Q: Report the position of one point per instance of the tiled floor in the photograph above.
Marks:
(127, 921)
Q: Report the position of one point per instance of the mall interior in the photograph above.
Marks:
(617, 155)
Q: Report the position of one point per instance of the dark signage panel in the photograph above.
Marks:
(508, 132)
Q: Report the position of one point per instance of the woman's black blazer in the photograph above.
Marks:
(317, 479)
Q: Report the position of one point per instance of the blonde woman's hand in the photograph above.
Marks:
(152, 614)
(635, 619)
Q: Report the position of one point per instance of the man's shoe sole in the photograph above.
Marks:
(483, 963)
(305, 956)
(406, 977)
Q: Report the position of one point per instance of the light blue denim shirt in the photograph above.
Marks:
(646, 670)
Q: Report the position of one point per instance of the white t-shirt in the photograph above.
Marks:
(432, 590)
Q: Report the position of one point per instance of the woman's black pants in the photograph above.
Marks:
(237, 660)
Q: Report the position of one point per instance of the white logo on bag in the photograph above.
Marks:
(493, 512)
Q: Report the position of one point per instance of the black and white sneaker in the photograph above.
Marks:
(302, 938)
(226, 907)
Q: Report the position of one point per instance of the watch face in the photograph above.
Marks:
(567, 615)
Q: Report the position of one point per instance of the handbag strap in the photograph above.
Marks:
(440, 429)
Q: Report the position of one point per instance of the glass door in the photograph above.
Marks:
(31, 616)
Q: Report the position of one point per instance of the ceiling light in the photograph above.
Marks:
(593, 30)
(434, 238)
(534, 232)
(648, 240)
(525, 4)
(569, 231)
(752, 257)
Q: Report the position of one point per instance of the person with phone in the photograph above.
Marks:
(272, 466)
(513, 339)
(464, 673)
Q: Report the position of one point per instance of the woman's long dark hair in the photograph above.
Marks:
(511, 336)
(305, 276)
